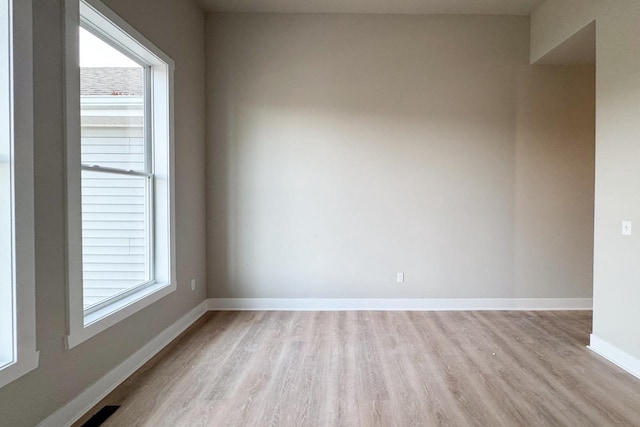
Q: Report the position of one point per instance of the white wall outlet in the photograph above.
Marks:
(193, 284)
(626, 228)
(400, 277)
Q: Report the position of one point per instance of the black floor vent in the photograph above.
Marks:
(101, 416)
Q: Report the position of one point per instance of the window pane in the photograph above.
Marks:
(114, 207)
(6, 246)
(112, 106)
(114, 233)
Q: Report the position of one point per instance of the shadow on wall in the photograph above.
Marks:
(345, 149)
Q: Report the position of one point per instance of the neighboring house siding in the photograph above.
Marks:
(113, 206)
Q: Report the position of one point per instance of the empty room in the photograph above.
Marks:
(319, 213)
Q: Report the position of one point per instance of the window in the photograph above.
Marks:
(117, 174)
(119, 170)
(6, 202)
(18, 353)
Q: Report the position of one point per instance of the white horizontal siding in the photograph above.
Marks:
(112, 149)
(121, 208)
(97, 234)
(111, 283)
(100, 137)
(114, 217)
(108, 259)
(134, 166)
(112, 241)
(114, 152)
(111, 201)
(125, 274)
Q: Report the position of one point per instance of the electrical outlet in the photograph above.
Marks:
(626, 228)
(400, 277)
(193, 284)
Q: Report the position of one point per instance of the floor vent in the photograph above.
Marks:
(101, 416)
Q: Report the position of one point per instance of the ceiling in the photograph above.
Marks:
(415, 7)
(579, 49)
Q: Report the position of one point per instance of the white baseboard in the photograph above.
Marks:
(81, 404)
(404, 304)
(615, 355)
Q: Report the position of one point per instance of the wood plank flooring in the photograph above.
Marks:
(380, 369)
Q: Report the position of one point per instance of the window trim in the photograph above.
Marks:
(81, 325)
(26, 357)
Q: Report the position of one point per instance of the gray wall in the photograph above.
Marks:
(345, 148)
(616, 318)
(177, 27)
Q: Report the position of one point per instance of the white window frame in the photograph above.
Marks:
(82, 324)
(25, 355)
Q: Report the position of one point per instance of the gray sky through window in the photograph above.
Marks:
(96, 53)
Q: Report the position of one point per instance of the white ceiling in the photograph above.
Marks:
(579, 49)
(416, 7)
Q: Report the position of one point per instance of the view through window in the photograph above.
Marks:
(116, 173)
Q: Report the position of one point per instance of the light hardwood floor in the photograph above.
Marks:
(380, 368)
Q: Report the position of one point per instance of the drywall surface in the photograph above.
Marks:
(555, 21)
(345, 148)
(617, 197)
(177, 27)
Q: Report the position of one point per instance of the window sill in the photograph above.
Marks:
(26, 363)
(106, 317)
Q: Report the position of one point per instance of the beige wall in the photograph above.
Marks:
(345, 148)
(617, 198)
(177, 27)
